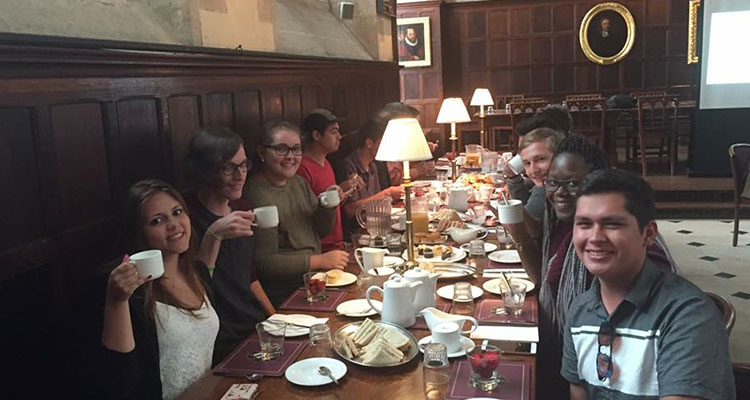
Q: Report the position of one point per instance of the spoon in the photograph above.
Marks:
(253, 377)
(323, 370)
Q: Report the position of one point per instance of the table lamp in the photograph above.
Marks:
(453, 111)
(481, 98)
(405, 141)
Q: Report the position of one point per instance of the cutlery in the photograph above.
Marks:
(287, 322)
(323, 370)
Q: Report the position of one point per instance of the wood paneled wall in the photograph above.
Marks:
(79, 126)
(531, 47)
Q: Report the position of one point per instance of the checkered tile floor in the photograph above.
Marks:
(705, 256)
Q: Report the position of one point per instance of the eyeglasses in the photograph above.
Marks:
(572, 186)
(604, 361)
(283, 150)
(231, 168)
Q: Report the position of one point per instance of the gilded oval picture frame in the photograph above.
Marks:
(607, 33)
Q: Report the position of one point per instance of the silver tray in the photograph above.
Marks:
(351, 328)
(453, 270)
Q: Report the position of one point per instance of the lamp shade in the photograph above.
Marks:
(403, 140)
(481, 97)
(453, 110)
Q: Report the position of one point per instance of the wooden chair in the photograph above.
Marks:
(589, 118)
(587, 96)
(501, 101)
(648, 93)
(522, 110)
(657, 128)
(726, 309)
(739, 160)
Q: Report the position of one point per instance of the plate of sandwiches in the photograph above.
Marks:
(375, 344)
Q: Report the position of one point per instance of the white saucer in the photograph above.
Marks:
(488, 247)
(505, 257)
(446, 292)
(357, 308)
(305, 372)
(466, 345)
(392, 261)
(497, 285)
(346, 279)
(382, 271)
(302, 319)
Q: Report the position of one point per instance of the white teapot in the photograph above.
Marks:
(426, 292)
(398, 300)
(458, 198)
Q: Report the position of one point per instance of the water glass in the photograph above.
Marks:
(436, 371)
(504, 239)
(320, 340)
(463, 301)
(476, 248)
(514, 298)
(484, 365)
(315, 283)
(364, 281)
(393, 241)
(489, 162)
(271, 337)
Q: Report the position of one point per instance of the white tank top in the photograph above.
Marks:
(186, 345)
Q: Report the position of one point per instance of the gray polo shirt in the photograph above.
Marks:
(352, 164)
(670, 340)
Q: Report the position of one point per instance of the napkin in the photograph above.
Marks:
(510, 273)
(305, 322)
(507, 333)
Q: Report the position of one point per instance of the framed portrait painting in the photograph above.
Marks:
(414, 42)
(607, 33)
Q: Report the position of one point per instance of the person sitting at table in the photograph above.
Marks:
(320, 131)
(284, 253)
(638, 331)
(536, 149)
(550, 259)
(217, 164)
(158, 335)
(361, 162)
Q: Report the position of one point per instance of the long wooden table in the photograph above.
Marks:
(402, 383)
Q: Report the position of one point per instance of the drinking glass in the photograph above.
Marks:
(393, 241)
(436, 371)
(271, 337)
(484, 365)
(315, 283)
(320, 340)
(476, 248)
(514, 298)
(463, 301)
(504, 239)
(364, 281)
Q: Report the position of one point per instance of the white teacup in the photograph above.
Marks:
(511, 213)
(371, 257)
(516, 164)
(449, 334)
(266, 217)
(329, 198)
(147, 263)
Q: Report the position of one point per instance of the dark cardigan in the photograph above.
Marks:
(137, 375)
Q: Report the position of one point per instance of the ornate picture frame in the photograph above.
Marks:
(414, 42)
(692, 52)
(607, 33)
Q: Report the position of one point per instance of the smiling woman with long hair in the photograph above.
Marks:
(158, 335)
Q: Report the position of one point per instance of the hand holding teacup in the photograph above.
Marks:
(233, 225)
(331, 198)
(123, 281)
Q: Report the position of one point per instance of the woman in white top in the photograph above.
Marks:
(158, 335)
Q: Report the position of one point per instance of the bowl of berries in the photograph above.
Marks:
(484, 361)
(315, 283)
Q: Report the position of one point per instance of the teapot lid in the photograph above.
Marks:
(418, 272)
(395, 281)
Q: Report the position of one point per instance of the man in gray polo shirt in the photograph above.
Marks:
(638, 332)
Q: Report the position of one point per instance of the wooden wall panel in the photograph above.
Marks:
(292, 109)
(140, 141)
(184, 121)
(218, 109)
(537, 41)
(82, 167)
(20, 199)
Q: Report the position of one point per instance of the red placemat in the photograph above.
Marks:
(529, 313)
(298, 301)
(517, 384)
(238, 363)
(421, 324)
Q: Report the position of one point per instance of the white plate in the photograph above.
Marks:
(305, 372)
(488, 247)
(346, 279)
(392, 261)
(446, 292)
(505, 257)
(295, 331)
(466, 345)
(382, 271)
(497, 285)
(357, 308)
(398, 227)
(457, 255)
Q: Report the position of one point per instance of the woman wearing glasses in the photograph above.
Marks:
(217, 164)
(284, 253)
(551, 260)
